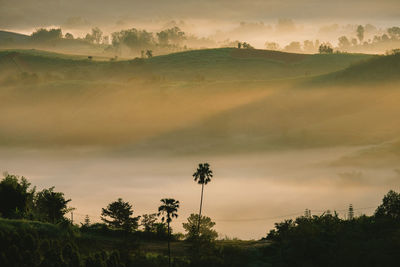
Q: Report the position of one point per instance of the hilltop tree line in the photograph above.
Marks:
(140, 42)
(132, 40)
(385, 41)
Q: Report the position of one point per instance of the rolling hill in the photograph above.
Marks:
(213, 100)
(224, 64)
(380, 69)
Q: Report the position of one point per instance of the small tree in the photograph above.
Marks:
(206, 224)
(69, 36)
(120, 213)
(149, 222)
(86, 222)
(95, 36)
(272, 46)
(360, 33)
(51, 206)
(247, 45)
(325, 49)
(149, 53)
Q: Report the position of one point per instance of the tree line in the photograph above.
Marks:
(309, 240)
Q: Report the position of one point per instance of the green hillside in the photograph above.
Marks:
(379, 69)
(224, 64)
(12, 38)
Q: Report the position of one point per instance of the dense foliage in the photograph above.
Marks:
(328, 240)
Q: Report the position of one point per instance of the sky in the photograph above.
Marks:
(24, 14)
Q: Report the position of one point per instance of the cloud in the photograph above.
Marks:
(27, 13)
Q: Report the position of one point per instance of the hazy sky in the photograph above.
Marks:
(22, 14)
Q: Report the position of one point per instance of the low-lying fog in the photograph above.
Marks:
(249, 192)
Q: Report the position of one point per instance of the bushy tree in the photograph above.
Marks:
(69, 36)
(360, 33)
(247, 46)
(272, 46)
(44, 35)
(95, 36)
(149, 222)
(135, 39)
(344, 42)
(51, 206)
(172, 36)
(394, 32)
(294, 47)
(390, 207)
(325, 49)
(206, 224)
(16, 200)
(120, 213)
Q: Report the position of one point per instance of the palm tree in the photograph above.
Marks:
(168, 209)
(202, 176)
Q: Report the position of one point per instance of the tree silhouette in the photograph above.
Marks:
(168, 210)
(206, 224)
(325, 49)
(120, 212)
(15, 199)
(149, 222)
(51, 206)
(390, 207)
(360, 33)
(202, 176)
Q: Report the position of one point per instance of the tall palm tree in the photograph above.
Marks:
(202, 176)
(168, 209)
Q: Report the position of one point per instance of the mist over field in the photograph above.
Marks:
(283, 132)
(293, 103)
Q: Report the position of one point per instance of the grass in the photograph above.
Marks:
(378, 70)
(90, 242)
(223, 64)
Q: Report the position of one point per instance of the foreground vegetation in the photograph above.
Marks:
(43, 236)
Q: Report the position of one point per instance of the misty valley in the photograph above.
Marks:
(199, 142)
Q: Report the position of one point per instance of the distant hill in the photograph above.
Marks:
(248, 64)
(223, 64)
(377, 69)
(12, 37)
(212, 100)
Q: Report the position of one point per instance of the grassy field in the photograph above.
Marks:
(92, 242)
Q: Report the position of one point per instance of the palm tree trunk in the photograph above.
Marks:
(201, 204)
(169, 248)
